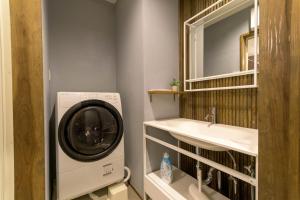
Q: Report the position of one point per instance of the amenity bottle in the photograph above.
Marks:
(166, 169)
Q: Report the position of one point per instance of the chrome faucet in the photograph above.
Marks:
(211, 116)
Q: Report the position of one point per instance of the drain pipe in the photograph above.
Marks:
(219, 177)
(199, 172)
(128, 174)
(231, 177)
(232, 158)
(250, 169)
(209, 178)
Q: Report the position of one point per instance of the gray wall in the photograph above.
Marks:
(222, 43)
(47, 108)
(129, 48)
(161, 65)
(130, 83)
(82, 46)
(161, 56)
(147, 46)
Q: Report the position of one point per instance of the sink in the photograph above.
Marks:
(215, 137)
(192, 125)
(198, 143)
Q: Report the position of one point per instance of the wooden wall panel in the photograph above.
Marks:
(28, 99)
(279, 100)
(234, 107)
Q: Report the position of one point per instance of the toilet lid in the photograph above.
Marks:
(90, 130)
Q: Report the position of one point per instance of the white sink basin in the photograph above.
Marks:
(198, 143)
(217, 137)
(192, 125)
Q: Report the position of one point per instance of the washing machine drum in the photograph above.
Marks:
(90, 130)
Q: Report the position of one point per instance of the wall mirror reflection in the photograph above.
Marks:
(220, 41)
(247, 51)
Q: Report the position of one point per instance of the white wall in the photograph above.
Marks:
(82, 46)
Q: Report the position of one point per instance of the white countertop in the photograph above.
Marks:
(244, 140)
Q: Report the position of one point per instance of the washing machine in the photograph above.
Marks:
(89, 142)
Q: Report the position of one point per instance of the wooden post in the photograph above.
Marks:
(28, 109)
(278, 100)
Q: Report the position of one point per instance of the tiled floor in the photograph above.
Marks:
(132, 195)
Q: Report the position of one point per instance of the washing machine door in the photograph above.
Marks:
(90, 130)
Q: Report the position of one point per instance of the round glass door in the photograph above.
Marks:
(90, 130)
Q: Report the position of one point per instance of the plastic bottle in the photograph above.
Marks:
(166, 169)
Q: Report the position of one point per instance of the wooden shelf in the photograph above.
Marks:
(163, 91)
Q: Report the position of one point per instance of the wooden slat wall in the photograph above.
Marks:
(28, 99)
(279, 100)
(234, 107)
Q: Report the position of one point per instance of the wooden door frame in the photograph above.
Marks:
(6, 106)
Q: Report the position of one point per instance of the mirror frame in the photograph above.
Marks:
(207, 16)
(244, 49)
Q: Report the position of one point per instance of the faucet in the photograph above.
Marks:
(212, 116)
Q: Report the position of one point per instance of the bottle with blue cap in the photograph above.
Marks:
(166, 169)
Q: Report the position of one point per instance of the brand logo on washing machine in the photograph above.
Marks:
(107, 169)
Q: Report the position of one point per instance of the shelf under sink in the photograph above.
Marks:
(157, 189)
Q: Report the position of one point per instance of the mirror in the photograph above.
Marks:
(220, 43)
